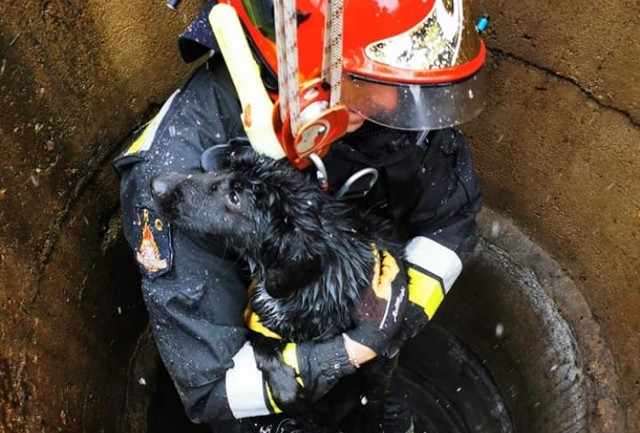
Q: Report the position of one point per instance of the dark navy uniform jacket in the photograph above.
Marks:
(196, 293)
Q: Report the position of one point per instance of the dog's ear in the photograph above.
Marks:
(220, 155)
(283, 278)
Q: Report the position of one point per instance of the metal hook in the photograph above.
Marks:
(343, 192)
(321, 172)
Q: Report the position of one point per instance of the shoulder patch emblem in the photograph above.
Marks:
(153, 251)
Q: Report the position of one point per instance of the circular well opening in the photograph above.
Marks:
(513, 348)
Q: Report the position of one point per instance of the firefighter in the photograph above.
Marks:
(411, 71)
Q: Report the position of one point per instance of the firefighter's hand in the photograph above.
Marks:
(425, 296)
(382, 306)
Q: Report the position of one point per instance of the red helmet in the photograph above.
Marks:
(407, 64)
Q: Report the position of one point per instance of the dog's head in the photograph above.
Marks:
(263, 209)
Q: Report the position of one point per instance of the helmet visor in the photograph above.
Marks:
(415, 106)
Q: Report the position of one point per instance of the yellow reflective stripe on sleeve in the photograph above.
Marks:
(146, 138)
(434, 258)
(425, 291)
(142, 139)
(272, 402)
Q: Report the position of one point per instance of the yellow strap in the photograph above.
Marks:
(272, 402)
(290, 357)
(253, 322)
(252, 319)
(425, 291)
(245, 74)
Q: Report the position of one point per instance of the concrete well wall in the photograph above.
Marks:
(557, 149)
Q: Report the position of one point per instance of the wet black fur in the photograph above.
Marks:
(310, 253)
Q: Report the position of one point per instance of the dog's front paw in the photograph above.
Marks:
(287, 393)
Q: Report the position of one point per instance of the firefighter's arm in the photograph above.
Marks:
(443, 227)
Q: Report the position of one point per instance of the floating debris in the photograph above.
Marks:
(34, 179)
(499, 330)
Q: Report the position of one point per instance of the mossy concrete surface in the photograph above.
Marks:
(557, 149)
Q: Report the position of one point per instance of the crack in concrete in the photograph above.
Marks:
(102, 154)
(92, 168)
(499, 54)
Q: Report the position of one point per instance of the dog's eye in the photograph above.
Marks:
(213, 188)
(233, 198)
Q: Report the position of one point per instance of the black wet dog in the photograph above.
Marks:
(310, 254)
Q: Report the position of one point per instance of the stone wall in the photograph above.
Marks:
(556, 148)
(76, 78)
(558, 151)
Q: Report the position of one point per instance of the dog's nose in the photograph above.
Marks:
(159, 187)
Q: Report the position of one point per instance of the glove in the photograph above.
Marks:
(381, 307)
(296, 374)
(303, 373)
(426, 293)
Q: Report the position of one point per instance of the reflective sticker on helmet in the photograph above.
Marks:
(153, 239)
(432, 44)
(449, 16)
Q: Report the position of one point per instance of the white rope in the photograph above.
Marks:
(281, 57)
(332, 60)
(287, 48)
